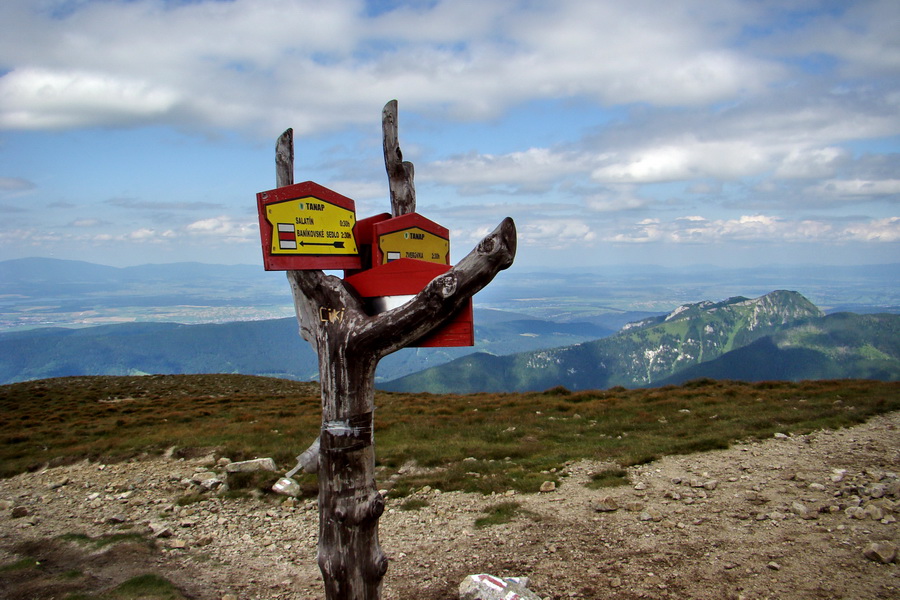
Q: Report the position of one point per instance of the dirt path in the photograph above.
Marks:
(791, 517)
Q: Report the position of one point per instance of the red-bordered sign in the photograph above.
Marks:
(307, 226)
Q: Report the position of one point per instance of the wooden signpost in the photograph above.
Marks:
(350, 337)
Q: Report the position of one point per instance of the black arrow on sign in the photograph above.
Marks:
(335, 244)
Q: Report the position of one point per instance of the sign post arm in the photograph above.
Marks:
(400, 173)
(445, 295)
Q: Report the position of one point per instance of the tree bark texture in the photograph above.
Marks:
(400, 173)
(349, 343)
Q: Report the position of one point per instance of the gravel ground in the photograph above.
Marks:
(811, 516)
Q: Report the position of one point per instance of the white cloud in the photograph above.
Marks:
(556, 234)
(145, 234)
(224, 228)
(878, 230)
(858, 187)
(252, 63)
(15, 184)
(687, 159)
(524, 169)
(86, 223)
(716, 110)
(616, 199)
(862, 34)
(806, 163)
(45, 99)
(758, 229)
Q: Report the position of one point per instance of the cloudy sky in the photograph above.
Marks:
(734, 132)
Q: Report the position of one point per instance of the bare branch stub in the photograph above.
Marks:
(400, 173)
(284, 159)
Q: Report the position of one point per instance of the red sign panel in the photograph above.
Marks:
(387, 286)
(307, 226)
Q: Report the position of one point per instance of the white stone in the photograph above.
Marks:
(249, 466)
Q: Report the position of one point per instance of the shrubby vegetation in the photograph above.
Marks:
(477, 442)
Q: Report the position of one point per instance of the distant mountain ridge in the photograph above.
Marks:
(837, 346)
(660, 349)
(271, 347)
(695, 333)
(541, 315)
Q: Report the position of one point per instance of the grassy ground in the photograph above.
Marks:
(478, 442)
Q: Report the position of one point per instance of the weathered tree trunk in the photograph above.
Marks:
(349, 344)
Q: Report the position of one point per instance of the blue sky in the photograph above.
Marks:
(732, 132)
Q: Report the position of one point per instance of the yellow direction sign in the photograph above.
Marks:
(311, 225)
(411, 236)
(307, 226)
(414, 243)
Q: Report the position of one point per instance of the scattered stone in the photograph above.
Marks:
(710, 484)
(287, 486)
(548, 486)
(489, 587)
(884, 552)
(855, 512)
(202, 477)
(781, 436)
(59, 483)
(651, 514)
(634, 506)
(873, 511)
(605, 504)
(774, 566)
(802, 511)
(159, 530)
(251, 466)
(19, 512)
(755, 498)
